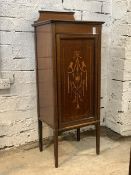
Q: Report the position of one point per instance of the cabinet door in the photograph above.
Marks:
(77, 77)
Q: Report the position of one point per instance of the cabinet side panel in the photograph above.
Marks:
(45, 74)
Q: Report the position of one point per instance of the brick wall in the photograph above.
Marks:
(118, 111)
(18, 118)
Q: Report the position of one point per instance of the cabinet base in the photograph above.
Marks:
(56, 133)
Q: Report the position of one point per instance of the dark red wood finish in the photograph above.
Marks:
(77, 78)
(68, 63)
(49, 15)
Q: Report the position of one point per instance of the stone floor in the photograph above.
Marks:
(75, 158)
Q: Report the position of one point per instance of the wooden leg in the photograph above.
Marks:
(130, 164)
(56, 147)
(97, 138)
(78, 134)
(40, 135)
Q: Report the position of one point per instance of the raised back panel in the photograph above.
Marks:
(77, 77)
(56, 15)
(45, 74)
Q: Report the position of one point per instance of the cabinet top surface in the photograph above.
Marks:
(39, 23)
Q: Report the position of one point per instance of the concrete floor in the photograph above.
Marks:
(75, 158)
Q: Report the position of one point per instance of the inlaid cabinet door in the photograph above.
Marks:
(77, 77)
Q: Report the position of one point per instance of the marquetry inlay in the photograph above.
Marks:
(77, 79)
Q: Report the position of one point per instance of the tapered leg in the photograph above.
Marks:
(56, 147)
(40, 135)
(97, 138)
(78, 134)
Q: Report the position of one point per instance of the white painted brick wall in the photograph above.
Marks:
(119, 91)
(18, 116)
(90, 6)
(106, 7)
(119, 9)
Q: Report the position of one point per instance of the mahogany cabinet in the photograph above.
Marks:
(68, 70)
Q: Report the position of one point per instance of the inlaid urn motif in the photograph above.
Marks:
(77, 78)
